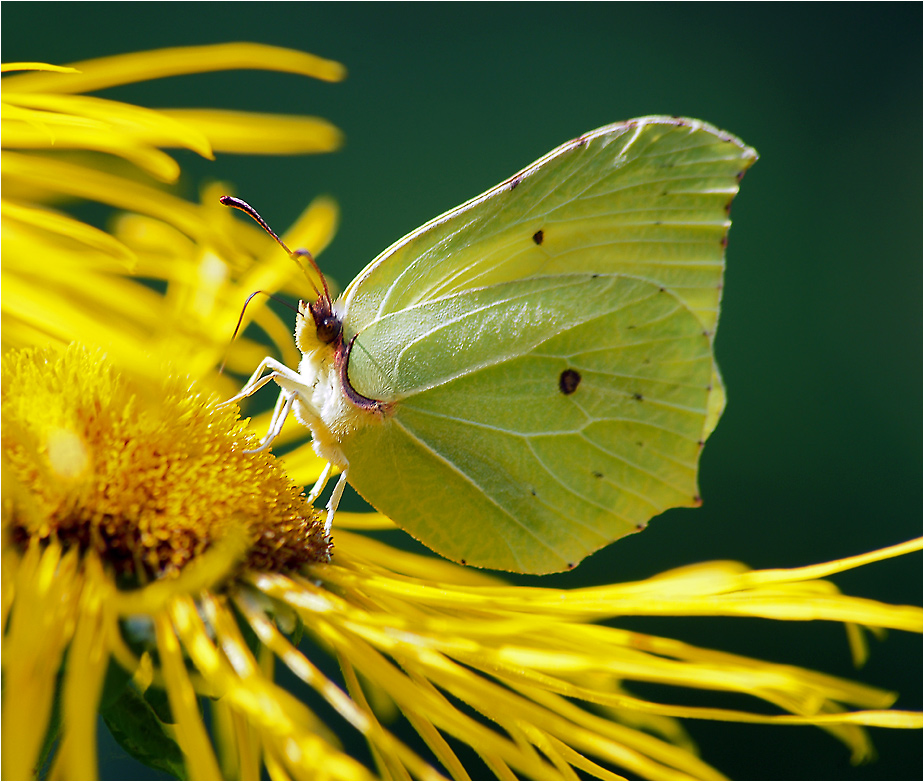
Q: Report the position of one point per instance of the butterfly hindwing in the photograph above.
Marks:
(534, 421)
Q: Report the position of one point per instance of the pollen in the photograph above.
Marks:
(147, 477)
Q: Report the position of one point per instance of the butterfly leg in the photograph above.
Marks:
(256, 382)
(334, 502)
(280, 413)
(289, 382)
(320, 483)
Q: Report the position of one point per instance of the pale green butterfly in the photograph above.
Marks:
(530, 376)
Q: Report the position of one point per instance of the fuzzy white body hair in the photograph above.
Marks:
(321, 403)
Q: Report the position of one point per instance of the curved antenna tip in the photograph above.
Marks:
(297, 255)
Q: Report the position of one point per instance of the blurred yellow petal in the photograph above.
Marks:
(191, 732)
(47, 587)
(105, 72)
(64, 226)
(81, 182)
(155, 128)
(88, 658)
(249, 133)
(8, 67)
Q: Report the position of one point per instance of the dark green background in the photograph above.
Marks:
(819, 453)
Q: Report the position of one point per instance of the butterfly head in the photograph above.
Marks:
(327, 324)
(318, 329)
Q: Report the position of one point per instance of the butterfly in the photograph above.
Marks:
(530, 376)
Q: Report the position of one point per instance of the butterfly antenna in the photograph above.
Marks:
(297, 255)
(240, 320)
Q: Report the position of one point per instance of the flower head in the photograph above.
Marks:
(153, 569)
(148, 477)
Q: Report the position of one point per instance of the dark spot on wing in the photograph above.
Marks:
(637, 396)
(570, 566)
(462, 562)
(569, 381)
(597, 474)
(514, 182)
(697, 500)
(640, 444)
(728, 207)
(633, 326)
(533, 492)
(740, 174)
(700, 443)
(724, 241)
(538, 236)
(640, 527)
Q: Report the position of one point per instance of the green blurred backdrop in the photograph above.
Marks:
(818, 455)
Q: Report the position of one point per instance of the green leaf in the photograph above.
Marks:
(135, 725)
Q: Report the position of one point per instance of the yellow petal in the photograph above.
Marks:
(142, 66)
(63, 225)
(7, 67)
(156, 128)
(249, 133)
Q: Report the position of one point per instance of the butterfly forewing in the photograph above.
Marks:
(648, 198)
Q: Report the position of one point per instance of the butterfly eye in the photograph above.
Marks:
(329, 326)
(328, 329)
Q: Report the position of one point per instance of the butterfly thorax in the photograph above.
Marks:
(323, 403)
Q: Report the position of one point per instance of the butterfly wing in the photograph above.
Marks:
(648, 197)
(537, 420)
(545, 349)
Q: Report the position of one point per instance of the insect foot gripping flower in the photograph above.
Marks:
(118, 500)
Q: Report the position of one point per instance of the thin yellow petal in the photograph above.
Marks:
(88, 658)
(143, 66)
(824, 569)
(35, 66)
(207, 570)
(368, 521)
(422, 566)
(250, 133)
(63, 225)
(154, 127)
(149, 159)
(82, 182)
(41, 626)
(305, 742)
(190, 731)
(357, 713)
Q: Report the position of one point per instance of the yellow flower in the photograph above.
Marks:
(110, 485)
(154, 569)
